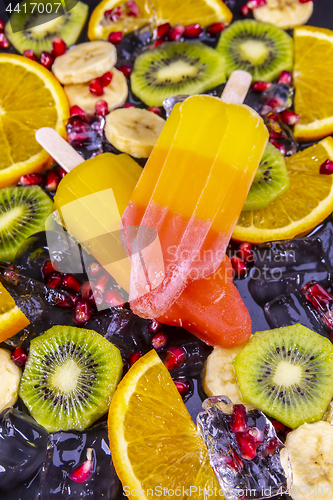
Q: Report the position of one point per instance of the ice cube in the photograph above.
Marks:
(292, 309)
(249, 461)
(22, 447)
(278, 97)
(170, 102)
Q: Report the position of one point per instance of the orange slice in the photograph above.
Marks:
(154, 443)
(186, 12)
(12, 319)
(30, 98)
(313, 80)
(308, 201)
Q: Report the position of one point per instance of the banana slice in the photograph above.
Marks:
(133, 131)
(115, 94)
(10, 376)
(311, 454)
(284, 13)
(84, 62)
(219, 377)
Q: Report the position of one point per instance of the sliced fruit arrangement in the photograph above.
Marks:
(261, 49)
(23, 212)
(12, 319)
(311, 450)
(147, 399)
(176, 68)
(88, 73)
(25, 33)
(284, 13)
(70, 377)
(219, 376)
(133, 131)
(287, 373)
(300, 208)
(270, 182)
(313, 101)
(10, 376)
(30, 98)
(114, 15)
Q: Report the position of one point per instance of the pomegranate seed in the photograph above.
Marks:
(83, 473)
(83, 312)
(163, 30)
(66, 301)
(77, 111)
(274, 135)
(183, 387)
(156, 110)
(285, 77)
(86, 291)
(96, 87)
(239, 267)
(2, 26)
(46, 60)
(51, 181)
(98, 297)
(317, 294)
(126, 70)
(254, 4)
(238, 419)
(192, 31)
(106, 79)
(261, 86)
(133, 8)
(247, 445)
(19, 357)
(78, 125)
(115, 37)
(94, 268)
(326, 168)
(234, 461)
(62, 172)
(174, 357)
(176, 33)
(101, 283)
(157, 43)
(245, 252)
(31, 179)
(30, 55)
(128, 105)
(280, 147)
(271, 446)
(305, 1)
(134, 357)
(4, 43)
(113, 14)
(159, 341)
(48, 268)
(278, 426)
(59, 47)
(215, 29)
(54, 280)
(245, 10)
(275, 102)
(154, 326)
(257, 434)
(101, 108)
(68, 281)
(113, 298)
(289, 117)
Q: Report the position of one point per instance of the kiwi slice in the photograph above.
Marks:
(70, 377)
(23, 212)
(35, 31)
(270, 182)
(287, 373)
(259, 48)
(176, 68)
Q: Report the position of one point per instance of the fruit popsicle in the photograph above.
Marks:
(192, 191)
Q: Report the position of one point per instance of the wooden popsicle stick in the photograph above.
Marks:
(58, 148)
(237, 87)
